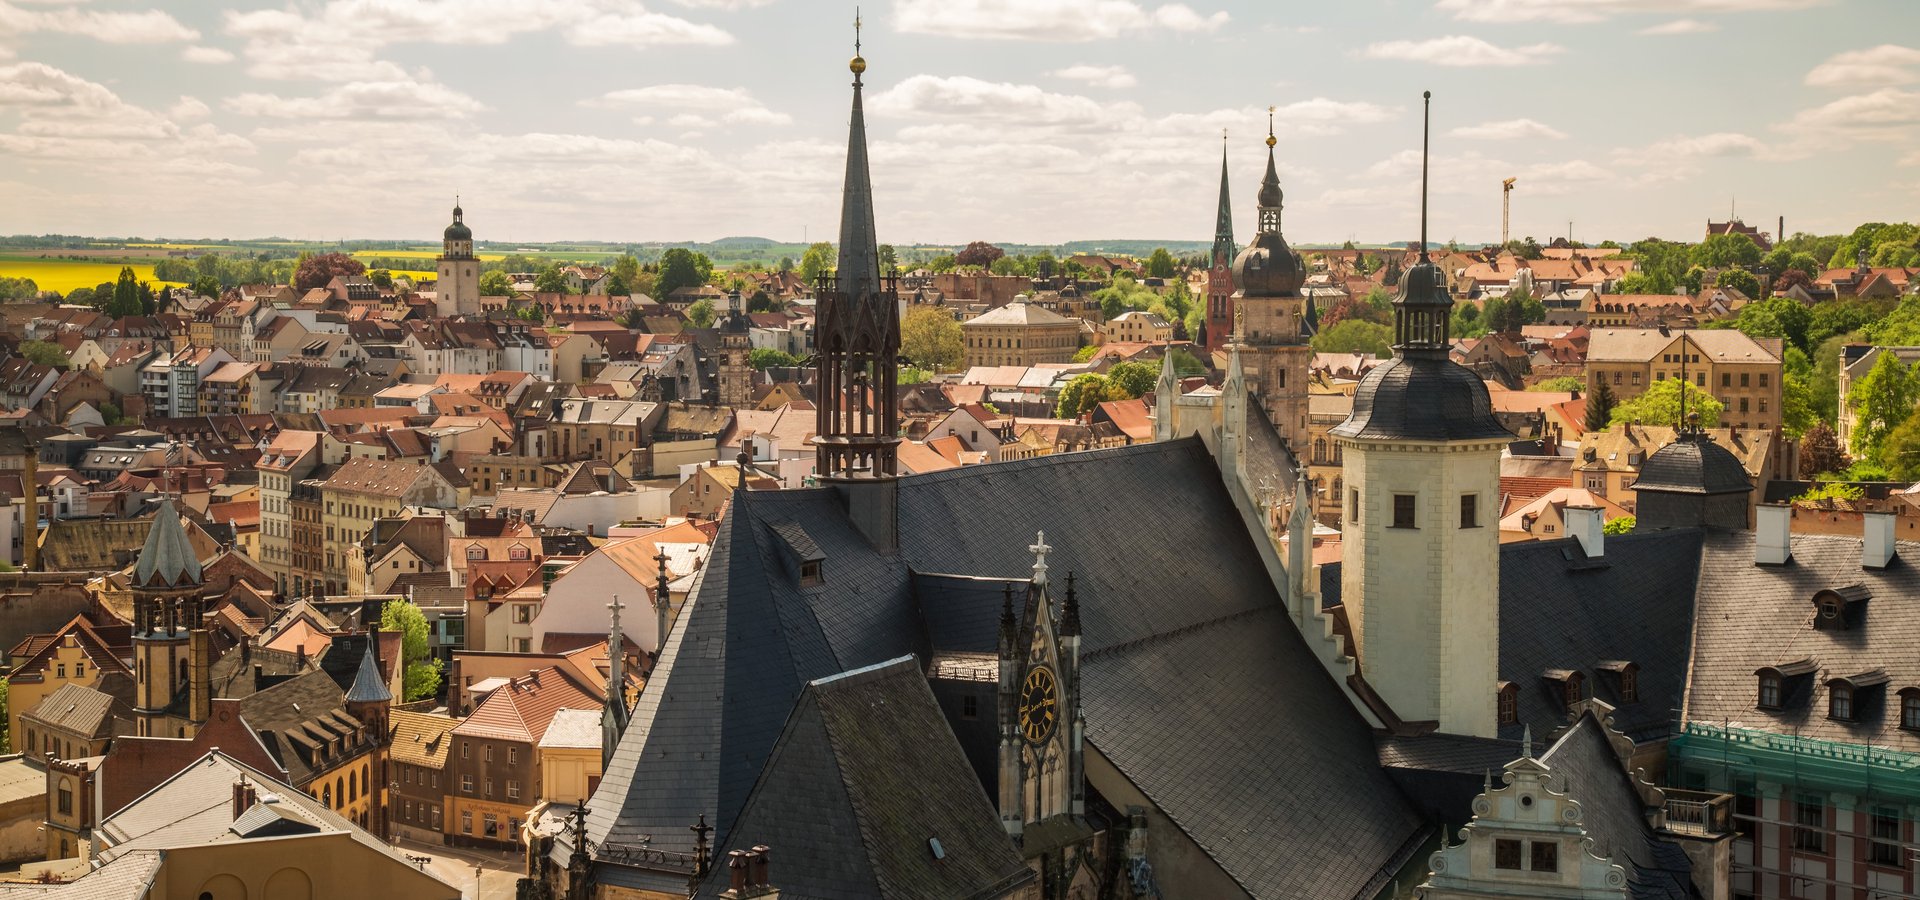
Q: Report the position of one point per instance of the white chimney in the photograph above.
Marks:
(1877, 550)
(1772, 523)
(1588, 525)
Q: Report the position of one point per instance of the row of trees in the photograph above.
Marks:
(1124, 381)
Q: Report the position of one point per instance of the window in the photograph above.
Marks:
(513, 755)
(1509, 703)
(487, 751)
(1769, 690)
(66, 799)
(1886, 849)
(60, 671)
(1745, 379)
(1810, 817)
(466, 821)
(1571, 689)
(522, 613)
(463, 749)
(969, 707)
(80, 669)
(466, 784)
(489, 787)
(1546, 856)
(1469, 510)
(1403, 511)
(1763, 379)
(1840, 701)
(1630, 684)
(513, 789)
(492, 825)
(1353, 506)
(1910, 709)
(1616, 378)
(1506, 854)
(1726, 380)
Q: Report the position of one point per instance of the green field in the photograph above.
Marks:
(416, 254)
(64, 275)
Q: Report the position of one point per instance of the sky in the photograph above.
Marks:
(1032, 121)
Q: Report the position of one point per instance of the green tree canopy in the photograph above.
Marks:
(44, 353)
(1600, 404)
(818, 260)
(702, 313)
(1660, 405)
(932, 340)
(125, 299)
(767, 358)
(1775, 317)
(421, 678)
(1131, 379)
(1160, 264)
(680, 267)
(1738, 280)
(1722, 250)
(1355, 336)
(550, 280)
(1563, 384)
(1621, 525)
(495, 283)
(1082, 395)
(1881, 400)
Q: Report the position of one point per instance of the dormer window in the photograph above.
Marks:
(1626, 676)
(1569, 683)
(1509, 703)
(1840, 608)
(1785, 684)
(1853, 698)
(1840, 701)
(810, 573)
(1910, 709)
(1770, 690)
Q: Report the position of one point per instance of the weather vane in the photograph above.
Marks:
(856, 31)
(1270, 138)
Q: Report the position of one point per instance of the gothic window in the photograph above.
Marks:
(1319, 450)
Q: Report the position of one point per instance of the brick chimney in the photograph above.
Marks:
(244, 797)
(747, 875)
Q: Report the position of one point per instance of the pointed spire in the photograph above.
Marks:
(1270, 196)
(1070, 611)
(1526, 742)
(859, 271)
(1223, 221)
(368, 686)
(167, 555)
(1421, 312)
(613, 719)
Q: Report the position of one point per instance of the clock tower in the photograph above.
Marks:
(1042, 733)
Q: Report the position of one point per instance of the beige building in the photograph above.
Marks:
(363, 490)
(1020, 334)
(1140, 327)
(570, 755)
(1608, 462)
(1739, 371)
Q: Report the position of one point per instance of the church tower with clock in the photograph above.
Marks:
(1042, 732)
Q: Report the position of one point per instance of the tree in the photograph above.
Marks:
(82, 296)
(978, 253)
(551, 280)
(767, 358)
(44, 353)
(1185, 363)
(14, 289)
(205, 286)
(125, 298)
(625, 272)
(316, 271)
(531, 312)
(1570, 384)
(1600, 405)
(1720, 251)
(1738, 280)
(786, 263)
(1160, 264)
(1775, 317)
(1660, 405)
(1082, 395)
(1622, 525)
(680, 267)
(932, 340)
(1131, 379)
(1355, 336)
(1085, 353)
(817, 261)
(702, 313)
(495, 283)
(1882, 399)
(888, 258)
(1832, 490)
(382, 278)
(421, 677)
(1902, 450)
(1821, 453)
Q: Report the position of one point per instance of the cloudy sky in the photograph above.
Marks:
(1011, 120)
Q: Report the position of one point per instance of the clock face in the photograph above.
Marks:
(1039, 705)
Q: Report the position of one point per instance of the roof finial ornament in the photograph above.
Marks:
(1271, 140)
(859, 63)
(1426, 129)
(1526, 742)
(1040, 551)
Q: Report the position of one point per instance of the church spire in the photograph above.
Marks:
(1270, 196)
(1421, 312)
(859, 271)
(1223, 221)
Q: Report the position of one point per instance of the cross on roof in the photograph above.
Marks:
(1039, 549)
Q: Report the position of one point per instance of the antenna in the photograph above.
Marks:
(1426, 129)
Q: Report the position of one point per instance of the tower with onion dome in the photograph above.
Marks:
(1267, 278)
(457, 292)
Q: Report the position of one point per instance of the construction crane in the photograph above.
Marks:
(1506, 190)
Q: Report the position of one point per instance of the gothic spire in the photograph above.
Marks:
(859, 271)
(1223, 222)
(1270, 196)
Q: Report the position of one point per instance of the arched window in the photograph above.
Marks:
(1509, 703)
(1840, 700)
(1770, 689)
(1910, 709)
(1319, 450)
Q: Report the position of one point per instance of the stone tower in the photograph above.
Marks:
(369, 701)
(1042, 733)
(457, 293)
(166, 612)
(736, 354)
(1267, 277)
(1219, 318)
(1422, 476)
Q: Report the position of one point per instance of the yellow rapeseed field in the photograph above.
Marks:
(64, 275)
(414, 254)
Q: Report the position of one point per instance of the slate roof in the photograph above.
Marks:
(129, 878)
(1560, 609)
(1420, 398)
(1585, 767)
(849, 822)
(78, 709)
(1178, 645)
(1757, 616)
(1692, 464)
(368, 686)
(167, 556)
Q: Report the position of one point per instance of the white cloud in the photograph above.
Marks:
(1679, 26)
(1583, 11)
(1509, 130)
(189, 108)
(964, 96)
(1047, 20)
(1887, 64)
(32, 84)
(1098, 76)
(728, 5)
(1718, 145)
(1911, 159)
(731, 105)
(1885, 113)
(340, 40)
(1461, 50)
(208, 55)
(150, 26)
(66, 120)
(362, 100)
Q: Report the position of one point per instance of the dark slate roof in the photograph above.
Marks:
(1757, 616)
(1560, 609)
(848, 821)
(1693, 465)
(1585, 767)
(1181, 643)
(368, 686)
(1422, 398)
(168, 556)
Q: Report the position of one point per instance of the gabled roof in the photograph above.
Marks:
(522, 709)
(851, 821)
(1586, 766)
(419, 739)
(168, 558)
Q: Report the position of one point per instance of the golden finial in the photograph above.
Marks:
(1270, 138)
(858, 64)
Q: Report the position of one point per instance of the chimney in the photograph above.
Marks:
(758, 876)
(243, 797)
(737, 872)
(1588, 525)
(1772, 522)
(1876, 551)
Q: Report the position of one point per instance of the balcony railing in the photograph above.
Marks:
(1699, 813)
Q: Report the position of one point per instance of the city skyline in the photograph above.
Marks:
(1021, 122)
